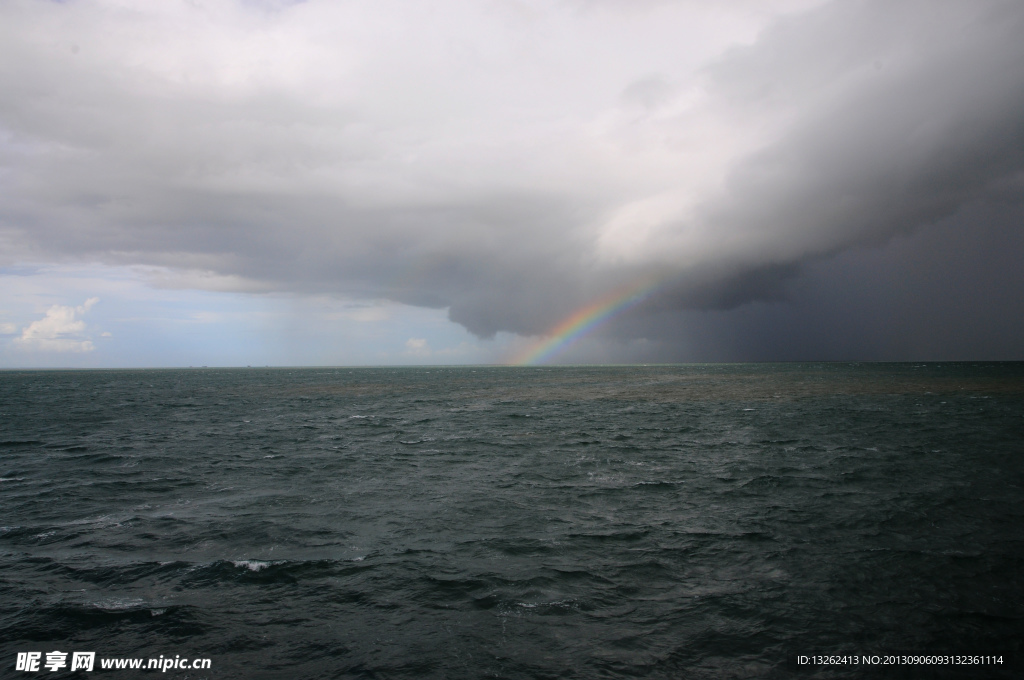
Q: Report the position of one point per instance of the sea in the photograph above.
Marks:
(805, 520)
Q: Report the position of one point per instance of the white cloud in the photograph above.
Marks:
(417, 347)
(369, 313)
(61, 330)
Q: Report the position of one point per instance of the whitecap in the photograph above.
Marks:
(116, 604)
(252, 565)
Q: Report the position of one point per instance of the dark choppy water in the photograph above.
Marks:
(661, 522)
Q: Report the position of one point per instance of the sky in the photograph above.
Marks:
(378, 182)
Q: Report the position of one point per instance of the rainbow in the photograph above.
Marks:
(584, 320)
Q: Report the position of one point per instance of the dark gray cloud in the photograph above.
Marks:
(511, 161)
(952, 291)
(870, 154)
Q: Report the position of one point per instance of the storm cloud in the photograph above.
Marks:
(506, 160)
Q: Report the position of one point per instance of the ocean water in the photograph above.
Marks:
(697, 521)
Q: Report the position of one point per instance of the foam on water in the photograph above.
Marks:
(252, 565)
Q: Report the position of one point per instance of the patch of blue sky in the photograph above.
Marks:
(137, 320)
